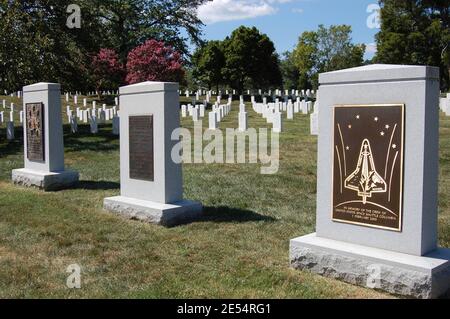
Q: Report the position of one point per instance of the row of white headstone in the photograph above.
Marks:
(14, 94)
(194, 111)
(10, 122)
(85, 101)
(219, 111)
(444, 104)
(273, 112)
(68, 94)
(297, 93)
(94, 117)
(93, 93)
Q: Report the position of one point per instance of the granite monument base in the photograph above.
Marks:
(168, 215)
(396, 273)
(47, 181)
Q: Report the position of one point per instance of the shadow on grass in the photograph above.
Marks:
(89, 185)
(11, 147)
(224, 214)
(84, 140)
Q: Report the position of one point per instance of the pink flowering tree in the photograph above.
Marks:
(108, 72)
(154, 61)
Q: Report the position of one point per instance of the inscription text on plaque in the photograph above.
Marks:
(141, 148)
(35, 131)
(368, 165)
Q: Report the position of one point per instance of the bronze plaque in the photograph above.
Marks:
(141, 148)
(35, 132)
(368, 165)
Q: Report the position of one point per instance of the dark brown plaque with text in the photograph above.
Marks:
(141, 148)
(35, 132)
(368, 165)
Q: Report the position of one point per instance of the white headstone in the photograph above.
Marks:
(101, 116)
(93, 124)
(277, 121)
(10, 131)
(212, 120)
(74, 124)
(116, 125)
(290, 111)
(243, 121)
(314, 124)
(202, 110)
(195, 114)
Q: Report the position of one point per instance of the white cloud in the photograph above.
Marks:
(280, 1)
(228, 10)
(297, 10)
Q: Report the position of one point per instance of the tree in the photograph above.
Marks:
(129, 23)
(107, 71)
(306, 58)
(325, 50)
(37, 45)
(416, 32)
(251, 60)
(289, 71)
(154, 61)
(208, 63)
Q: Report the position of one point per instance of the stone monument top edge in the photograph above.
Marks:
(148, 87)
(380, 73)
(41, 86)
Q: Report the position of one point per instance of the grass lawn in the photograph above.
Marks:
(239, 250)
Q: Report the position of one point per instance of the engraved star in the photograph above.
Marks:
(350, 126)
(394, 146)
(376, 119)
(387, 127)
(358, 117)
(347, 148)
(382, 133)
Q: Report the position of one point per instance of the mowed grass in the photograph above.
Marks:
(240, 248)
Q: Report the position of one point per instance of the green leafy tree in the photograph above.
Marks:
(208, 63)
(251, 60)
(37, 45)
(325, 50)
(129, 23)
(416, 32)
(289, 71)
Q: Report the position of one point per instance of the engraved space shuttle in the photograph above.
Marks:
(365, 179)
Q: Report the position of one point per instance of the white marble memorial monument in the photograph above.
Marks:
(43, 140)
(151, 182)
(377, 182)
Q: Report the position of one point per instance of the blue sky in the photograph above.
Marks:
(284, 20)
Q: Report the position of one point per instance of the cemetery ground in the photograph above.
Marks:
(239, 249)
